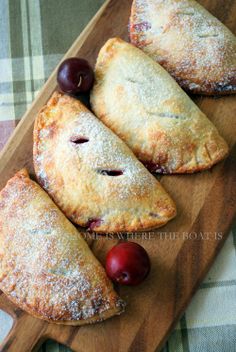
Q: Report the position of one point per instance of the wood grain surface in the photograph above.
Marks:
(181, 252)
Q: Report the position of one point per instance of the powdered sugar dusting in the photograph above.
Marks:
(144, 105)
(98, 184)
(106, 151)
(46, 266)
(188, 41)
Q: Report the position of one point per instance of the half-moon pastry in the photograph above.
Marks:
(91, 174)
(189, 42)
(46, 267)
(135, 97)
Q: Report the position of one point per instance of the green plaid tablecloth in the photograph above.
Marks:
(34, 34)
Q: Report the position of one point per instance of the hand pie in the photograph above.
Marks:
(46, 267)
(91, 174)
(190, 43)
(141, 103)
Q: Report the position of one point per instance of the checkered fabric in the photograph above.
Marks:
(34, 36)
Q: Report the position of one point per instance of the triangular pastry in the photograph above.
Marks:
(46, 267)
(135, 97)
(189, 42)
(91, 174)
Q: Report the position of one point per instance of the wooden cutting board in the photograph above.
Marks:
(181, 252)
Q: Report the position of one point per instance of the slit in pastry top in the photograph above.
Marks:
(46, 267)
(99, 183)
(135, 97)
(189, 42)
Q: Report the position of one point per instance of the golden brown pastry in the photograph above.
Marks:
(135, 97)
(91, 174)
(190, 43)
(46, 267)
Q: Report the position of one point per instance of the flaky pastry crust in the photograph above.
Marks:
(46, 267)
(189, 42)
(91, 174)
(135, 97)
